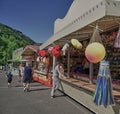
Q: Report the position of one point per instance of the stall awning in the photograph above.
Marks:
(30, 50)
(81, 19)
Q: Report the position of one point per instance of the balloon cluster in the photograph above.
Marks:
(55, 51)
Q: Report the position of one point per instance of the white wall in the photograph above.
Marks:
(77, 8)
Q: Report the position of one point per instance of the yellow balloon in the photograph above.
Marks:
(95, 52)
(76, 43)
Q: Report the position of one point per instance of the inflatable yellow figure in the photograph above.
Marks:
(76, 43)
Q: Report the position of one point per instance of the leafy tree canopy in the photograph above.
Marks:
(11, 40)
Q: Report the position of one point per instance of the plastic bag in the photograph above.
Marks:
(117, 40)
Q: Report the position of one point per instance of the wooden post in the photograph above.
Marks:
(68, 63)
(91, 73)
(54, 62)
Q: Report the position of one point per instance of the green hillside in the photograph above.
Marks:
(10, 40)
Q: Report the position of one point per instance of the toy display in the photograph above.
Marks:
(56, 50)
(76, 43)
(65, 47)
(117, 40)
(103, 93)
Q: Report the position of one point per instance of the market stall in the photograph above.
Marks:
(30, 53)
(40, 65)
(43, 71)
(81, 26)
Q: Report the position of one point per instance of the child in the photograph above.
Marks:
(9, 76)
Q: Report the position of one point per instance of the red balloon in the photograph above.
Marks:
(43, 53)
(55, 52)
(57, 47)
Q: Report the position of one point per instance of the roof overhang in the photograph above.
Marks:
(105, 14)
(30, 50)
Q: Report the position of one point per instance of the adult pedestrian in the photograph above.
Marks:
(27, 77)
(21, 72)
(56, 79)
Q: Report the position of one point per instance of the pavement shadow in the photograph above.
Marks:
(36, 85)
(39, 89)
(60, 95)
(18, 86)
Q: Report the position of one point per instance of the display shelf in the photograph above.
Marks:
(42, 78)
(112, 54)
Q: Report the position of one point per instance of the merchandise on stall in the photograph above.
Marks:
(103, 93)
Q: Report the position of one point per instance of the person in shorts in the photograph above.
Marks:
(27, 77)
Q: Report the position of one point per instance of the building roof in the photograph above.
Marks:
(30, 50)
(81, 19)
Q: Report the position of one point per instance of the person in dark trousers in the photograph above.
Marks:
(27, 77)
(9, 77)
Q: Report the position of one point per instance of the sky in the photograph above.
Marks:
(34, 18)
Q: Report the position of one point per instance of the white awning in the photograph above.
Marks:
(80, 19)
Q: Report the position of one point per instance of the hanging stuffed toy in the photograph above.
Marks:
(56, 50)
(65, 47)
(57, 47)
(38, 59)
(44, 60)
(117, 40)
(50, 49)
(42, 53)
(76, 43)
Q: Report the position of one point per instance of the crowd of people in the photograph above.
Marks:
(26, 72)
(24, 75)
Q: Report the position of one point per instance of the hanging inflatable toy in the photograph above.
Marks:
(42, 53)
(38, 59)
(65, 47)
(56, 51)
(45, 60)
(50, 49)
(117, 40)
(103, 93)
(95, 52)
(76, 43)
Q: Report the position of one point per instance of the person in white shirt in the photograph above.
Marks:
(21, 72)
(56, 79)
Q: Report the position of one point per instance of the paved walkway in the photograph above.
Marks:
(14, 101)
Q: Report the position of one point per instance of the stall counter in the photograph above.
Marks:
(42, 78)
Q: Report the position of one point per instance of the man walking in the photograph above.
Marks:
(27, 77)
(56, 79)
